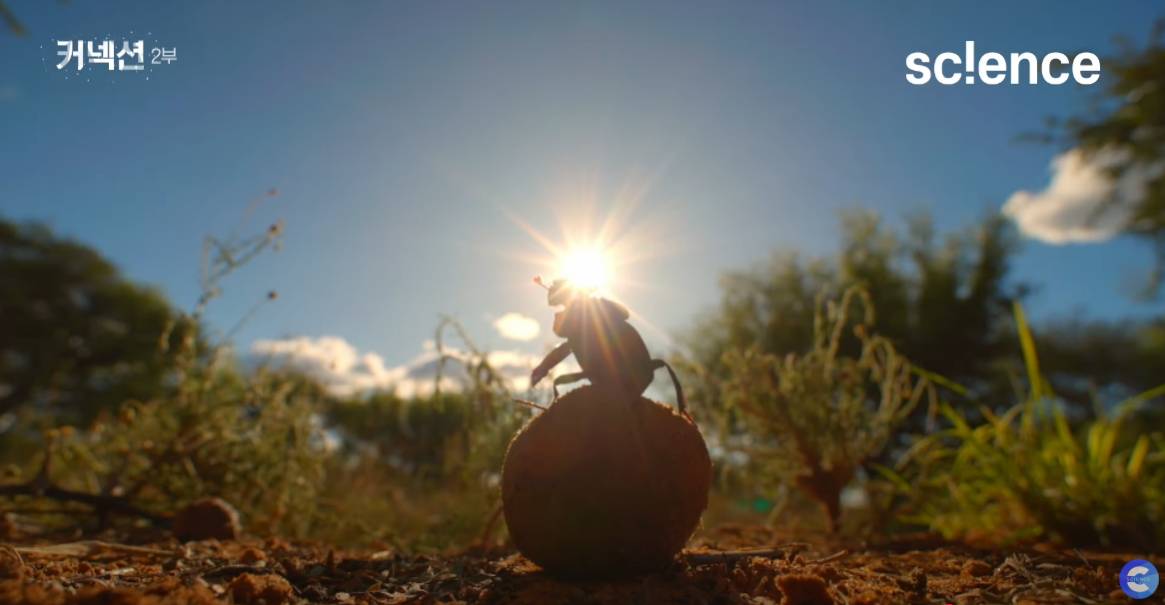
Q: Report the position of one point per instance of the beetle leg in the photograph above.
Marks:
(681, 404)
(567, 379)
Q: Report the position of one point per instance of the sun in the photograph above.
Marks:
(588, 268)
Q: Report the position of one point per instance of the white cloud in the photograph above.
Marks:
(1082, 203)
(331, 360)
(516, 326)
(345, 371)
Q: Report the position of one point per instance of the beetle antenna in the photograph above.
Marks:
(538, 280)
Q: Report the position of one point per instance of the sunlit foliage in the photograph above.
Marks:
(814, 419)
(1029, 472)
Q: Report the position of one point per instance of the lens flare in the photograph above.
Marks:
(588, 268)
(599, 247)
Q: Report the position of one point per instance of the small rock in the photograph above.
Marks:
(211, 518)
(252, 556)
(804, 590)
(976, 568)
(249, 589)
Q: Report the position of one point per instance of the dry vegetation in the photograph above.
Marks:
(381, 499)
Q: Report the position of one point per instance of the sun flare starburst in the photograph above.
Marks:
(601, 247)
(587, 267)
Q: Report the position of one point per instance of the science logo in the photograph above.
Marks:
(993, 68)
(1139, 579)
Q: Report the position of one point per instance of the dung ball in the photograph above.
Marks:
(604, 484)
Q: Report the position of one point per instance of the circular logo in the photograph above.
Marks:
(1139, 579)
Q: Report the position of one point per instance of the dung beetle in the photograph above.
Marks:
(609, 350)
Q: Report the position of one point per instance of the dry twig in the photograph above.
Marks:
(87, 548)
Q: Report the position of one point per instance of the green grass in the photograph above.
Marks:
(1030, 472)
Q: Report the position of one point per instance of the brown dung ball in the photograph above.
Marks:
(604, 485)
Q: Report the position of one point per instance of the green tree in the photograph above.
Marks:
(416, 435)
(943, 305)
(75, 335)
(1115, 359)
(1128, 126)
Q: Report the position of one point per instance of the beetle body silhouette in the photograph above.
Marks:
(609, 350)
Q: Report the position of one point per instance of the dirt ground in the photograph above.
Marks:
(715, 570)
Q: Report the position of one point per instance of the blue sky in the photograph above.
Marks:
(400, 134)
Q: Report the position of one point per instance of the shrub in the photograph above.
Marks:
(250, 441)
(813, 420)
(1028, 472)
(294, 460)
(249, 438)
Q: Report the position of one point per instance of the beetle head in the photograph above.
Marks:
(560, 291)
